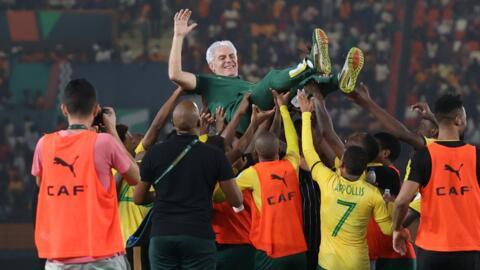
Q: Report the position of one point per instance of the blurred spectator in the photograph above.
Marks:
(39, 101)
(445, 54)
(16, 150)
(127, 55)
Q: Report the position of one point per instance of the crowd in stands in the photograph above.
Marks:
(17, 143)
(446, 55)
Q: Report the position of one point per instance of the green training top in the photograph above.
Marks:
(221, 91)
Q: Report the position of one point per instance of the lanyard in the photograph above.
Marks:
(77, 126)
(176, 161)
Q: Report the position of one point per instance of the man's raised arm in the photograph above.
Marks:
(361, 96)
(160, 119)
(186, 80)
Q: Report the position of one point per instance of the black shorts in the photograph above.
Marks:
(435, 260)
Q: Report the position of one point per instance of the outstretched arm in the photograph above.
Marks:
(160, 119)
(326, 153)
(132, 175)
(186, 80)
(292, 152)
(276, 126)
(258, 117)
(361, 96)
(320, 173)
(325, 122)
(329, 134)
(424, 110)
(229, 132)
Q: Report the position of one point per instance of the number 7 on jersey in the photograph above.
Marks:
(350, 206)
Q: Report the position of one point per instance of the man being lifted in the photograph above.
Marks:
(224, 88)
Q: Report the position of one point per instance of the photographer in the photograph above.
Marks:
(77, 222)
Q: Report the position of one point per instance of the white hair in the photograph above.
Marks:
(211, 50)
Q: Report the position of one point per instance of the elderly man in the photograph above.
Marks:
(225, 88)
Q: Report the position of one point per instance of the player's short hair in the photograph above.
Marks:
(371, 147)
(122, 131)
(355, 160)
(80, 97)
(388, 141)
(447, 106)
(386, 178)
(266, 145)
(367, 142)
(210, 55)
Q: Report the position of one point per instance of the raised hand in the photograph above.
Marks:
(181, 27)
(206, 120)
(219, 120)
(259, 116)
(245, 103)
(361, 95)
(423, 109)
(313, 89)
(303, 101)
(282, 99)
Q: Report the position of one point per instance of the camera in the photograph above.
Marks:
(98, 120)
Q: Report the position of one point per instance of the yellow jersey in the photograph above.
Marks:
(346, 208)
(131, 215)
(416, 203)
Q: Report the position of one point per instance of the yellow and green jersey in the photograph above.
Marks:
(131, 215)
(346, 208)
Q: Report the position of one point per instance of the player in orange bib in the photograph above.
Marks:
(277, 229)
(232, 235)
(77, 224)
(446, 172)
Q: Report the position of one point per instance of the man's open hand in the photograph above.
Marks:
(181, 27)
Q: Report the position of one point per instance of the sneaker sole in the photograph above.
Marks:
(322, 60)
(354, 62)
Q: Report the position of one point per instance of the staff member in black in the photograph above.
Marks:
(181, 235)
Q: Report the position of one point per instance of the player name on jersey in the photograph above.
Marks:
(350, 190)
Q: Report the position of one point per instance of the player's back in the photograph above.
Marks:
(346, 208)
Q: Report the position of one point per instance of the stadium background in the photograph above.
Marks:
(415, 51)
